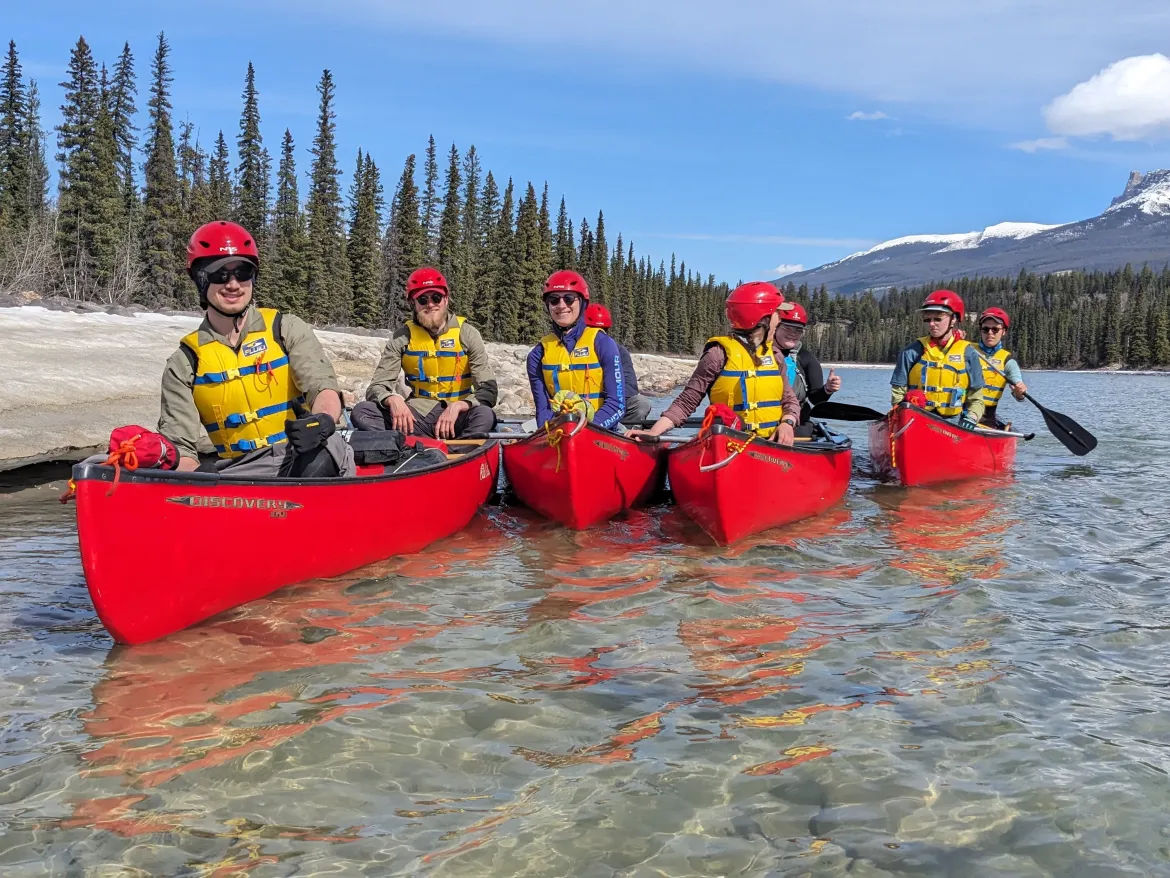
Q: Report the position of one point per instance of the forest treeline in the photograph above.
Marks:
(132, 186)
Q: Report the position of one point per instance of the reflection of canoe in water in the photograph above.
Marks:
(734, 488)
(165, 550)
(919, 448)
(580, 475)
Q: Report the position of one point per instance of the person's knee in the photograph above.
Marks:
(637, 409)
(481, 419)
(367, 415)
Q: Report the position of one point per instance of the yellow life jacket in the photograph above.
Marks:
(941, 374)
(437, 368)
(244, 396)
(578, 370)
(753, 389)
(993, 382)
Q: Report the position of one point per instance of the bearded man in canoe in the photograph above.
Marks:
(801, 367)
(452, 387)
(1000, 368)
(742, 371)
(637, 406)
(575, 366)
(255, 379)
(942, 365)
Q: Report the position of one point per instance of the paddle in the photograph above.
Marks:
(843, 411)
(1072, 435)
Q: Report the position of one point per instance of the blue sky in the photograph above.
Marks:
(742, 136)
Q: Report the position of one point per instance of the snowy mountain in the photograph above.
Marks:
(1135, 228)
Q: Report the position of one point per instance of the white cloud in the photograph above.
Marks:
(786, 269)
(859, 116)
(1128, 100)
(1040, 143)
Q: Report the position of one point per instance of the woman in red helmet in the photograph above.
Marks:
(942, 365)
(802, 368)
(1000, 368)
(575, 362)
(637, 405)
(255, 380)
(742, 371)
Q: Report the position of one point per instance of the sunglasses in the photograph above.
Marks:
(936, 318)
(425, 299)
(242, 273)
(991, 329)
(570, 299)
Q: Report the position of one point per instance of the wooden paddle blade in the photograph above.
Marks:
(843, 411)
(1072, 435)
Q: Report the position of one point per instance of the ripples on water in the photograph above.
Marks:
(968, 681)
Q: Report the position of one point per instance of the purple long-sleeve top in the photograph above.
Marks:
(613, 404)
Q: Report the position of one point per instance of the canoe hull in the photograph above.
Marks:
(917, 448)
(762, 487)
(166, 550)
(583, 479)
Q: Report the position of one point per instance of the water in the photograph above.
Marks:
(970, 681)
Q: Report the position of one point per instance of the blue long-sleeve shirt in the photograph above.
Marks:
(613, 405)
(1011, 369)
(913, 353)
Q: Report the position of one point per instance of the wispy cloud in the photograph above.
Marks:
(1128, 100)
(759, 239)
(786, 269)
(1040, 143)
(860, 116)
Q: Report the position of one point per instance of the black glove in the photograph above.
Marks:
(305, 434)
(967, 423)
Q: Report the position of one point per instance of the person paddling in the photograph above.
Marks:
(575, 366)
(444, 359)
(637, 405)
(255, 379)
(802, 368)
(993, 326)
(942, 365)
(741, 371)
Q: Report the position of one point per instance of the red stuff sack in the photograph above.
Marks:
(717, 411)
(151, 449)
(916, 397)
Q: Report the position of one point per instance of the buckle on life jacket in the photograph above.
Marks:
(238, 420)
(231, 373)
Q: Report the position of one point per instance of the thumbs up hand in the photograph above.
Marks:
(832, 383)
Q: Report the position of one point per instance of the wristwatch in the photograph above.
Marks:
(788, 419)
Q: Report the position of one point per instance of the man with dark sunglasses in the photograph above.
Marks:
(256, 380)
(1000, 368)
(575, 365)
(942, 365)
(445, 363)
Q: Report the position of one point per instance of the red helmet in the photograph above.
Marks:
(750, 303)
(997, 314)
(220, 238)
(566, 281)
(793, 312)
(944, 300)
(423, 279)
(598, 315)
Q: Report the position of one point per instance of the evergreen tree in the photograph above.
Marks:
(123, 109)
(489, 268)
(37, 193)
(430, 202)
(471, 240)
(448, 251)
(109, 224)
(193, 178)
(219, 183)
(286, 279)
(528, 276)
(14, 159)
(252, 173)
(505, 292)
(1161, 352)
(76, 153)
(163, 238)
(329, 283)
(1111, 350)
(565, 253)
(365, 245)
(404, 248)
(1138, 335)
(546, 236)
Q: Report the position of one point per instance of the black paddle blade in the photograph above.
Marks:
(1072, 435)
(843, 411)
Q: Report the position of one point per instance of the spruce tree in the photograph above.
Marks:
(76, 153)
(471, 242)
(219, 182)
(286, 279)
(1161, 352)
(506, 294)
(598, 275)
(449, 253)
(329, 284)
(252, 173)
(14, 166)
(489, 267)
(565, 253)
(546, 236)
(404, 248)
(109, 228)
(163, 237)
(192, 177)
(430, 202)
(123, 109)
(1111, 348)
(528, 278)
(365, 245)
(37, 193)
(1138, 335)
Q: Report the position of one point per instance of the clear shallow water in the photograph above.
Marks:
(920, 682)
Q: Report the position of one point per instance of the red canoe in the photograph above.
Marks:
(580, 475)
(919, 448)
(733, 490)
(164, 550)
